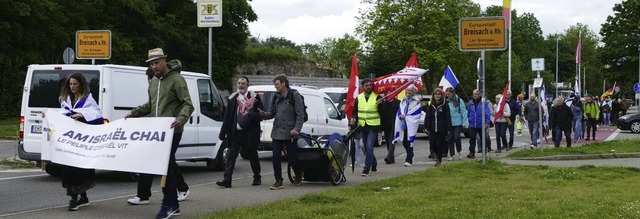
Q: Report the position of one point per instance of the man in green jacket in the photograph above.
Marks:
(168, 97)
(592, 114)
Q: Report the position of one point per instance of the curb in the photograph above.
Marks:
(583, 156)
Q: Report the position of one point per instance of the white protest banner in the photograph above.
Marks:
(140, 145)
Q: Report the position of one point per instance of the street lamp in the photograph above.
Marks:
(557, 40)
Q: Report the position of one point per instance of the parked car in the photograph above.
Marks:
(631, 102)
(629, 122)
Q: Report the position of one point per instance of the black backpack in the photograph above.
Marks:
(292, 101)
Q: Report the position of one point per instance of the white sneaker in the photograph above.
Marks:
(459, 156)
(450, 158)
(137, 201)
(183, 195)
(407, 164)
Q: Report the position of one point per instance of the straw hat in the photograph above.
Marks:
(156, 53)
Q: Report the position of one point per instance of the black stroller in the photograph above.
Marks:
(322, 159)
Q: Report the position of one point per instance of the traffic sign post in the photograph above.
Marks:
(93, 44)
(537, 64)
(68, 56)
(636, 88)
(209, 15)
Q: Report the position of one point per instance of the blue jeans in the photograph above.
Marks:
(577, 129)
(558, 136)
(369, 137)
(606, 119)
(292, 157)
(534, 130)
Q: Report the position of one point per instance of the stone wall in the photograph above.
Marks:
(294, 68)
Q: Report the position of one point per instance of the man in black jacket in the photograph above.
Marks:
(389, 109)
(560, 121)
(241, 129)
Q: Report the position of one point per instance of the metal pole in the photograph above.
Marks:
(484, 131)
(557, 40)
(604, 84)
(638, 99)
(509, 54)
(540, 115)
(210, 50)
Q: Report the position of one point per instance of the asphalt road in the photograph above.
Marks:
(31, 193)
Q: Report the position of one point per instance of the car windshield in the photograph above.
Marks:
(335, 97)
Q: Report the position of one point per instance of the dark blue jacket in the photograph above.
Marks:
(515, 109)
(230, 120)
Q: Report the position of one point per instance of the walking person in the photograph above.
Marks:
(241, 129)
(532, 115)
(458, 121)
(437, 122)
(576, 109)
(168, 97)
(474, 114)
(367, 115)
(287, 112)
(514, 108)
(592, 114)
(406, 122)
(501, 125)
(77, 103)
(389, 110)
(491, 125)
(145, 180)
(560, 121)
(606, 111)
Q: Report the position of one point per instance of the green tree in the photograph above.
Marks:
(393, 29)
(621, 39)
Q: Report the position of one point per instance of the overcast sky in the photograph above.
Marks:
(311, 21)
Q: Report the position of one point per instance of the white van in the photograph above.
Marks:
(324, 117)
(118, 89)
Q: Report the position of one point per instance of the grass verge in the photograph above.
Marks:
(16, 163)
(625, 146)
(471, 190)
(9, 128)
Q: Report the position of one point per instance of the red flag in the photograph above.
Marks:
(506, 13)
(579, 48)
(402, 80)
(501, 104)
(353, 90)
(382, 84)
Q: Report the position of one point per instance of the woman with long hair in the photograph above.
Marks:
(458, 120)
(437, 122)
(77, 102)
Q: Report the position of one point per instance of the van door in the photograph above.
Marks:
(188, 144)
(208, 117)
(333, 121)
(315, 125)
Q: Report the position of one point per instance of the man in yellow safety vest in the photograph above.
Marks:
(367, 115)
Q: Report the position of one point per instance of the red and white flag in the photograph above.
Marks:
(389, 83)
(354, 88)
(501, 103)
(403, 79)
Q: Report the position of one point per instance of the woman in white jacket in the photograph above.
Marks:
(501, 123)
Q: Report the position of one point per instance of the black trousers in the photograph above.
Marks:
(591, 128)
(391, 147)
(438, 143)
(145, 180)
(240, 142)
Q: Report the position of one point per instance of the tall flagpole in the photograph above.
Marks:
(509, 65)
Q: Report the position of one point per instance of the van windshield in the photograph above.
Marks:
(266, 97)
(46, 84)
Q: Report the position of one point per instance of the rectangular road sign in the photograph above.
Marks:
(537, 64)
(482, 33)
(209, 13)
(93, 44)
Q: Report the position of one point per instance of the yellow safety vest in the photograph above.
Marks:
(368, 110)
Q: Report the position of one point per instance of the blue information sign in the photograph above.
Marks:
(636, 88)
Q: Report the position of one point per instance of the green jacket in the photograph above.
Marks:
(591, 111)
(168, 97)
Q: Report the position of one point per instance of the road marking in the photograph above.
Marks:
(23, 177)
(613, 135)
